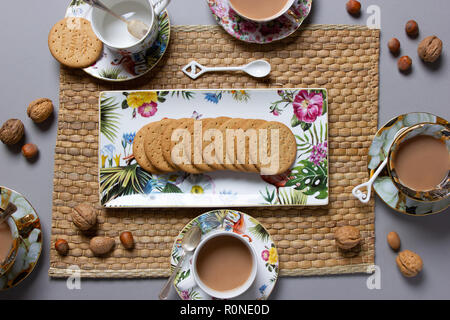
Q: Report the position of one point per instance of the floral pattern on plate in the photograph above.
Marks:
(123, 183)
(123, 65)
(250, 229)
(255, 32)
(30, 247)
(383, 185)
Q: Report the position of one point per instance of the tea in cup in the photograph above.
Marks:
(9, 234)
(261, 10)
(224, 265)
(419, 162)
(114, 33)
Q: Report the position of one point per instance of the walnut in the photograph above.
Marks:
(39, 110)
(430, 49)
(12, 131)
(347, 237)
(409, 263)
(84, 216)
(101, 245)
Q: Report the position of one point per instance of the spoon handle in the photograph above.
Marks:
(166, 289)
(100, 5)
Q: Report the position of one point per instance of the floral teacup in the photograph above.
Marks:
(113, 32)
(194, 278)
(437, 131)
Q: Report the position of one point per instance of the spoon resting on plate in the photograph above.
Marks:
(136, 28)
(257, 69)
(189, 243)
(365, 197)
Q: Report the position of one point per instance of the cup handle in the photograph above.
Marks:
(160, 5)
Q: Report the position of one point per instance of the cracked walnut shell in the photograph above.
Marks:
(84, 216)
(347, 237)
(409, 263)
(39, 110)
(430, 49)
(12, 131)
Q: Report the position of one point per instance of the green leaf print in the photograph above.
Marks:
(171, 188)
(310, 179)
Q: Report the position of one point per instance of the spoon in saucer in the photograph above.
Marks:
(189, 243)
(365, 197)
(257, 69)
(136, 28)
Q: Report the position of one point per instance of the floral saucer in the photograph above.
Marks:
(240, 223)
(255, 32)
(383, 185)
(31, 245)
(124, 66)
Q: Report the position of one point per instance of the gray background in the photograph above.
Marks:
(28, 72)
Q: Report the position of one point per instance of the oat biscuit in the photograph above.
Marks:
(209, 144)
(154, 148)
(251, 153)
(73, 43)
(230, 161)
(196, 145)
(277, 161)
(139, 151)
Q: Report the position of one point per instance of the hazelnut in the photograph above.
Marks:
(404, 63)
(353, 7)
(127, 239)
(430, 49)
(39, 110)
(84, 216)
(29, 150)
(394, 46)
(101, 245)
(409, 263)
(412, 28)
(12, 131)
(62, 247)
(347, 237)
(393, 240)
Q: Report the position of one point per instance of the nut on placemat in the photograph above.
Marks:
(344, 59)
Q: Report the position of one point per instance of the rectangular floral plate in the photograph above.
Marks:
(124, 184)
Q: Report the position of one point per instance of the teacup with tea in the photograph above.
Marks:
(419, 162)
(224, 265)
(261, 10)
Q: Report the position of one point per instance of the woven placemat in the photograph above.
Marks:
(341, 58)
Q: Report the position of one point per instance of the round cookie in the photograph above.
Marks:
(234, 123)
(154, 145)
(167, 144)
(287, 147)
(139, 151)
(203, 166)
(73, 43)
(213, 123)
(251, 124)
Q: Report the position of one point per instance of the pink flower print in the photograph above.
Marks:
(318, 153)
(275, 112)
(265, 255)
(248, 26)
(148, 109)
(269, 28)
(308, 106)
(220, 10)
(185, 295)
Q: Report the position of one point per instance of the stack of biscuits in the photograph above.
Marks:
(211, 144)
